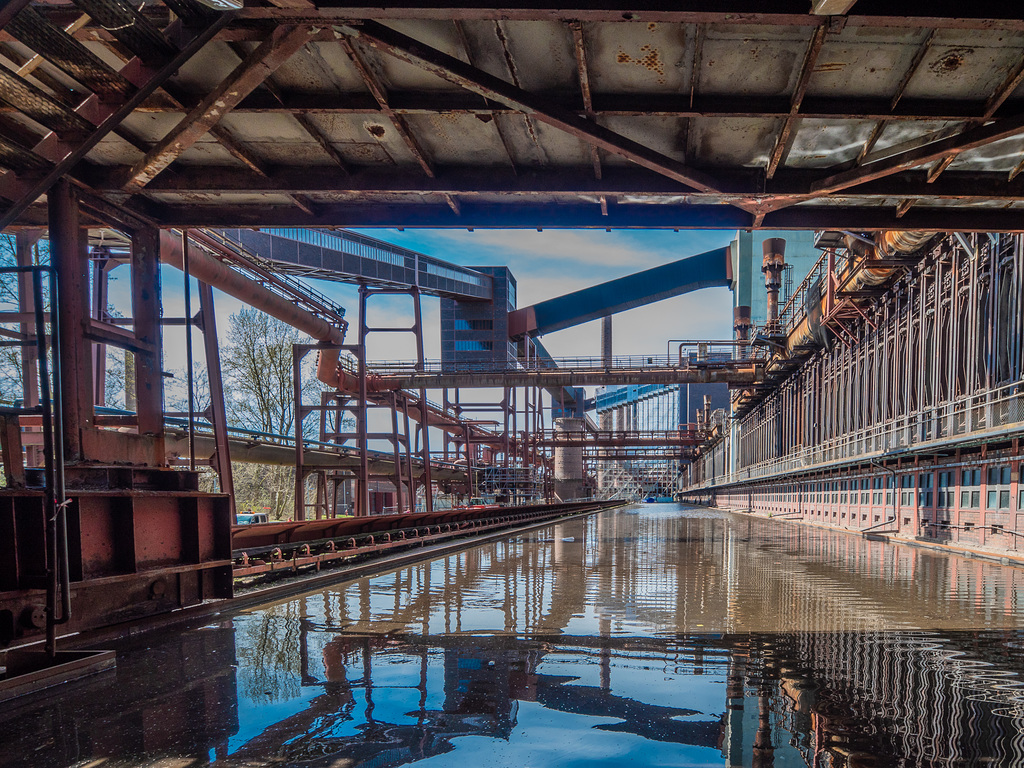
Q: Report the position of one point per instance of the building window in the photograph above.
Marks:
(474, 325)
(970, 491)
(997, 491)
(907, 490)
(474, 346)
(946, 497)
(924, 495)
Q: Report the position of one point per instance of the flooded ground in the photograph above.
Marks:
(656, 636)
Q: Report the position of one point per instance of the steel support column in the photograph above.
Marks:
(149, 383)
(67, 255)
(218, 414)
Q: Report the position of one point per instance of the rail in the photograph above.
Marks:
(619, 438)
(987, 414)
(268, 274)
(700, 355)
(288, 441)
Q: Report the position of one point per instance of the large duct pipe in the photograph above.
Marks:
(864, 274)
(772, 265)
(206, 268)
(860, 273)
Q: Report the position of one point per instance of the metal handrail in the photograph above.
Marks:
(658, 361)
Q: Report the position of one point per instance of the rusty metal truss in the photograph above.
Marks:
(646, 115)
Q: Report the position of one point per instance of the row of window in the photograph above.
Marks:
(473, 325)
(878, 490)
(474, 346)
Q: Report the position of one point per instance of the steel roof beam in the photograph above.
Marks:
(604, 105)
(1010, 83)
(381, 97)
(471, 182)
(952, 146)
(454, 71)
(265, 59)
(579, 47)
(25, 192)
(784, 140)
(570, 215)
(984, 14)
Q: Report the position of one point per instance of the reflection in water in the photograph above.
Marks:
(664, 636)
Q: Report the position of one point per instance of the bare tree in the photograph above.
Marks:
(258, 372)
(11, 356)
(258, 378)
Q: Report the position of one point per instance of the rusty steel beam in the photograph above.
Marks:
(110, 116)
(586, 215)
(264, 60)
(784, 140)
(952, 146)
(376, 89)
(461, 31)
(779, 13)
(565, 377)
(322, 141)
(1010, 83)
(579, 47)
(67, 254)
(459, 73)
(915, 64)
(149, 383)
(699, 34)
(1013, 80)
(238, 151)
(468, 183)
(604, 105)
(221, 459)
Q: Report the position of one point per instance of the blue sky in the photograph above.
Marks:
(546, 264)
(553, 262)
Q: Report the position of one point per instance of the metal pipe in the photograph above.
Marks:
(219, 275)
(188, 353)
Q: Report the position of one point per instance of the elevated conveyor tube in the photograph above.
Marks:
(704, 270)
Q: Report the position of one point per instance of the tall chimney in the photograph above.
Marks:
(772, 266)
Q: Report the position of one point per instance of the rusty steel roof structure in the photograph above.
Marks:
(691, 114)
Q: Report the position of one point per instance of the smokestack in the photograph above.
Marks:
(773, 264)
(741, 327)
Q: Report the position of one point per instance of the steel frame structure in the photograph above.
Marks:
(607, 148)
(918, 390)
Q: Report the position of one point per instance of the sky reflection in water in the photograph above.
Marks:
(658, 636)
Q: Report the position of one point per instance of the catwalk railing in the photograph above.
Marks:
(691, 354)
(988, 415)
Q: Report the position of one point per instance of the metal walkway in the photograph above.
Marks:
(347, 257)
(699, 362)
